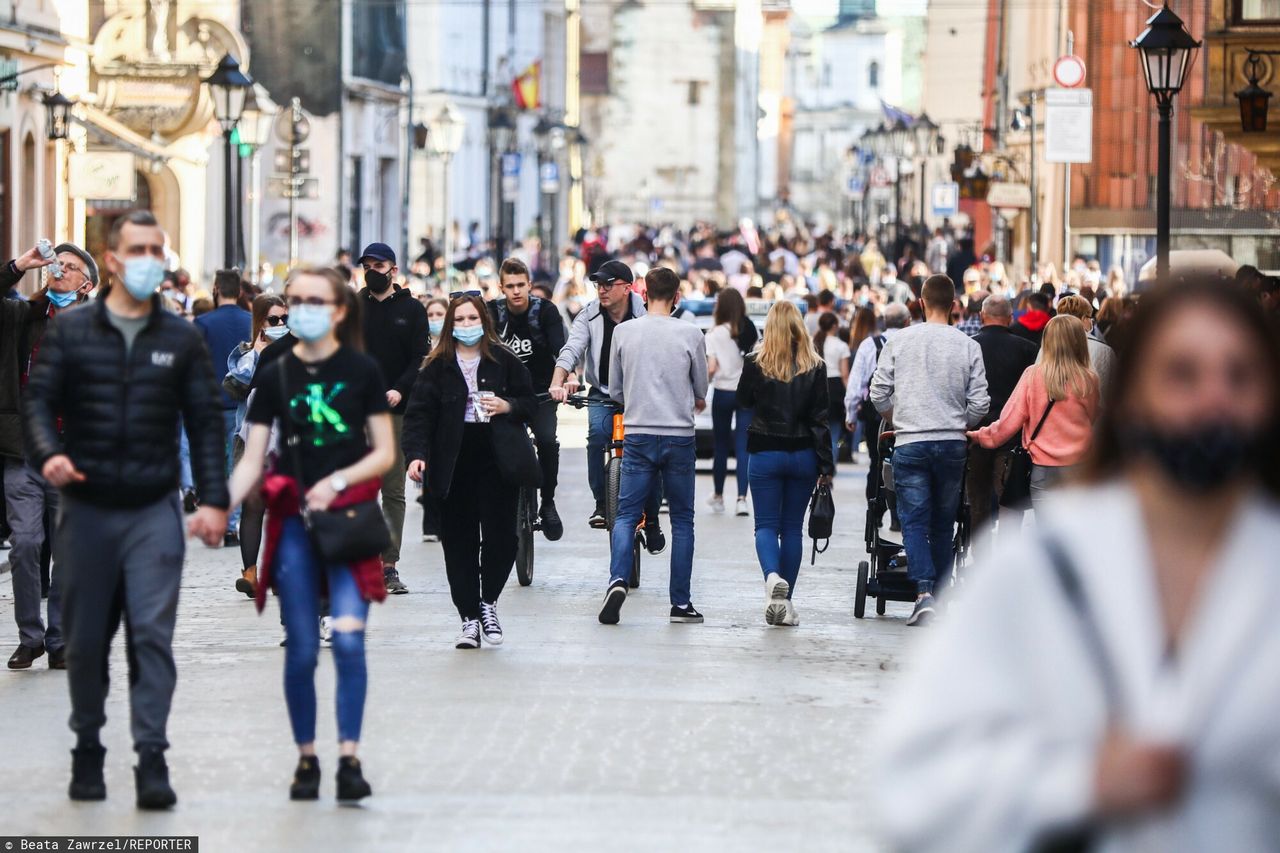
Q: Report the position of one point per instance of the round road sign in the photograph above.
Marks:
(1069, 71)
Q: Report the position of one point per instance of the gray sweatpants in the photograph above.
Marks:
(27, 496)
(121, 562)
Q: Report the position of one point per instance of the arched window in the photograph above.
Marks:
(873, 75)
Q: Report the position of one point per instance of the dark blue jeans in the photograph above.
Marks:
(599, 434)
(297, 572)
(781, 483)
(926, 479)
(644, 458)
(729, 429)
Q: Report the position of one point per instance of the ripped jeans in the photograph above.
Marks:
(297, 571)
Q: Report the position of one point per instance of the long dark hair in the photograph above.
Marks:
(350, 330)
(1108, 457)
(864, 326)
(262, 306)
(730, 309)
(827, 323)
(447, 347)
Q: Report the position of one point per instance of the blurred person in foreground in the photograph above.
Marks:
(1111, 682)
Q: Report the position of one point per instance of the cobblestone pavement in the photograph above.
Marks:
(723, 736)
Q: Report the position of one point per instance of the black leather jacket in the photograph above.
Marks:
(788, 410)
(120, 416)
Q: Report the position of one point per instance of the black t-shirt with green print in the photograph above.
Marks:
(325, 404)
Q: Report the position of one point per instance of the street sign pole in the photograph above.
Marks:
(1034, 224)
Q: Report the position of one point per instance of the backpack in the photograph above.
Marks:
(501, 315)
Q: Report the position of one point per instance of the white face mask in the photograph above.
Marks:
(275, 333)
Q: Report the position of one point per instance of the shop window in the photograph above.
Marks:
(1257, 11)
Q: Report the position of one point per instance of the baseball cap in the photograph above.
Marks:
(379, 252)
(613, 271)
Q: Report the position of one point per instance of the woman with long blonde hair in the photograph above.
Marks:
(1054, 405)
(789, 447)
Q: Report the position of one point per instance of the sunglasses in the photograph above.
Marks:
(279, 320)
(458, 294)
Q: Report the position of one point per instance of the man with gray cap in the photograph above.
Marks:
(28, 496)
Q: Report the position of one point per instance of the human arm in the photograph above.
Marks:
(249, 470)
(616, 367)
(748, 382)
(978, 401)
(553, 326)
(371, 466)
(419, 337)
(881, 389)
(571, 355)
(1012, 418)
(698, 373)
(520, 402)
(817, 415)
(420, 418)
(42, 402)
(201, 407)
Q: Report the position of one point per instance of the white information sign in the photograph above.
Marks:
(1068, 125)
(102, 175)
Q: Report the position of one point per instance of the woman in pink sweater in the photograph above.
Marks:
(1065, 377)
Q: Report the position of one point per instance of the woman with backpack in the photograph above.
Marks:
(1053, 405)
(732, 336)
(784, 383)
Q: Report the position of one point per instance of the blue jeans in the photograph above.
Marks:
(781, 483)
(230, 428)
(926, 479)
(644, 458)
(599, 434)
(729, 429)
(297, 572)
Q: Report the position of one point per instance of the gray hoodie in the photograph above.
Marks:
(585, 336)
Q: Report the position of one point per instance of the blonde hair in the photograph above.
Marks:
(786, 350)
(1065, 364)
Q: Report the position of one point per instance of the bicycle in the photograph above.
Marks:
(527, 523)
(613, 478)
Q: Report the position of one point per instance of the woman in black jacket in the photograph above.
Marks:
(785, 382)
(464, 430)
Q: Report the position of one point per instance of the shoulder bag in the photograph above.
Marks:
(1017, 477)
(340, 535)
(822, 517)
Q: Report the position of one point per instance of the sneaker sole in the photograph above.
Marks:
(493, 639)
(687, 620)
(651, 551)
(613, 600)
(922, 618)
(775, 611)
(466, 644)
(596, 522)
(398, 590)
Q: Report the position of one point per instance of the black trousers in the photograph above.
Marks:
(544, 439)
(478, 525)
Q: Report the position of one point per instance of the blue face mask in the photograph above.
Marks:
(275, 333)
(469, 335)
(62, 300)
(142, 276)
(310, 323)
(435, 327)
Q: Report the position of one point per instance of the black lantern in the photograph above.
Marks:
(1168, 50)
(57, 115)
(1253, 99)
(229, 87)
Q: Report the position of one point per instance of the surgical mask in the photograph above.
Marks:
(142, 276)
(1202, 458)
(435, 327)
(275, 333)
(310, 323)
(62, 300)
(469, 335)
(378, 282)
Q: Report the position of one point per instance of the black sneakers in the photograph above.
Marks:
(654, 539)
(151, 777)
(391, 578)
(685, 614)
(597, 517)
(613, 599)
(489, 624)
(552, 526)
(923, 612)
(469, 637)
(351, 783)
(306, 779)
(86, 773)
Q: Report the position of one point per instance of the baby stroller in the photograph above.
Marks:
(884, 575)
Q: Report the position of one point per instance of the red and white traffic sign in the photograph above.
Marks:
(1068, 71)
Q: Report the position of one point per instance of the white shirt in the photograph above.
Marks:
(834, 352)
(722, 346)
(997, 722)
(470, 368)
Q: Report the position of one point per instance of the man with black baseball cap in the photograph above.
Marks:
(395, 335)
(589, 343)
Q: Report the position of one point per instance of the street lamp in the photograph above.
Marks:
(229, 87)
(1253, 98)
(254, 129)
(57, 115)
(1168, 51)
(502, 130)
(444, 139)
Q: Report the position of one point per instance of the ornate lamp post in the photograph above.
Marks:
(255, 127)
(229, 87)
(444, 139)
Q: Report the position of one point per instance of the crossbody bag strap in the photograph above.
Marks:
(289, 438)
(1040, 425)
(1073, 590)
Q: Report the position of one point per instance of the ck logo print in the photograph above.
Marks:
(162, 359)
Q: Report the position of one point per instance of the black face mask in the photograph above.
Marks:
(376, 281)
(1203, 458)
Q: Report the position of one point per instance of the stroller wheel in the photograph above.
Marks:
(860, 595)
(880, 605)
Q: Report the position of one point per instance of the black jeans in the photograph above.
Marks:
(544, 439)
(478, 525)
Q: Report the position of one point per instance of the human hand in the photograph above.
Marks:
(209, 525)
(393, 398)
(824, 480)
(493, 405)
(1134, 776)
(320, 496)
(699, 405)
(30, 260)
(972, 435)
(572, 383)
(558, 393)
(849, 425)
(416, 469)
(61, 471)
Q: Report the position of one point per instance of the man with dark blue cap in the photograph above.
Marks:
(395, 335)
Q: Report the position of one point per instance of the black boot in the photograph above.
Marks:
(351, 784)
(552, 526)
(306, 779)
(151, 776)
(86, 774)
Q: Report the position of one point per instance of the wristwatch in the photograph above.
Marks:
(338, 483)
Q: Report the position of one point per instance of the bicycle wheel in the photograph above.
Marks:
(612, 488)
(524, 527)
(637, 545)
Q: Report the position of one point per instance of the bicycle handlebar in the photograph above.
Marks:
(581, 401)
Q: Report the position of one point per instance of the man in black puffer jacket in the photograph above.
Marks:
(117, 375)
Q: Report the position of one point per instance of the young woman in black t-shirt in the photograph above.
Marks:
(328, 399)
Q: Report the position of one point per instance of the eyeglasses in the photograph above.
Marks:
(605, 285)
(313, 301)
(278, 320)
(458, 294)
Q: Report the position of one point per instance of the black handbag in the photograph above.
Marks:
(1017, 477)
(822, 517)
(343, 535)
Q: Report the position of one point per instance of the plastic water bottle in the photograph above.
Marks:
(46, 251)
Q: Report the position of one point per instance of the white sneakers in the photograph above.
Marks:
(742, 508)
(716, 502)
(326, 629)
(775, 598)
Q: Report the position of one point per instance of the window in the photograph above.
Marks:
(695, 88)
(1249, 11)
(873, 75)
(826, 74)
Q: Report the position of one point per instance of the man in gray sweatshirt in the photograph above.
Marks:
(658, 371)
(931, 383)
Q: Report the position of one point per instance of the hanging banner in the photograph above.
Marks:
(527, 87)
